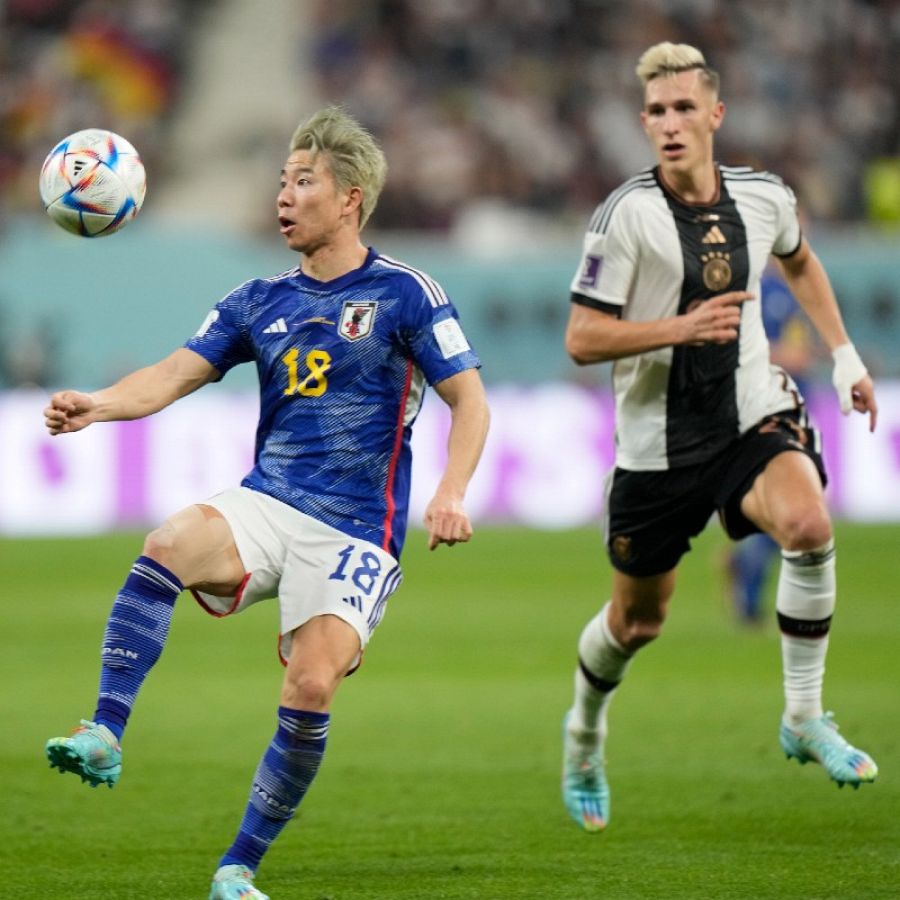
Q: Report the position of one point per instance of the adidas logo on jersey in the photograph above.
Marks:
(279, 326)
(714, 236)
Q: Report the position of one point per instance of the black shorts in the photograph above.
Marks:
(651, 516)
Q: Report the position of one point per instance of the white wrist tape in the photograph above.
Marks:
(849, 370)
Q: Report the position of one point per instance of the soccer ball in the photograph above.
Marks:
(93, 183)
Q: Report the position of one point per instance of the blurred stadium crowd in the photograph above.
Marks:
(67, 65)
(501, 116)
(504, 121)
(529, 104)
(535, 101)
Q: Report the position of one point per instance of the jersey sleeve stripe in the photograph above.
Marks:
(736, 170)
(290, 273)
(614, 309)
(742, 173)
(790, 253)
(433, 290)
(600, 220)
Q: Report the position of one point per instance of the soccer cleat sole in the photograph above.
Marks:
(803, 760)
(65, 760)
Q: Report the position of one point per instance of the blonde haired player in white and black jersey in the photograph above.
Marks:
(666, 289)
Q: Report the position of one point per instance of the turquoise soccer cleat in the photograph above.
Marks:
(818, 740)
(90, 751)
(235, 883)
(584, 789)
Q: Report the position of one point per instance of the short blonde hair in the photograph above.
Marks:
(668, 59)
(354, 157)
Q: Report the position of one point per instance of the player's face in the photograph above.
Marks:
(311, 209)
(680, 117)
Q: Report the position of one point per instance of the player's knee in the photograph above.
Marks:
(159, 544)
(311, 691)
(640, 631)
(806, 530)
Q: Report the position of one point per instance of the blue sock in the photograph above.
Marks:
(752, 559)
(135, 634)
(285, 772)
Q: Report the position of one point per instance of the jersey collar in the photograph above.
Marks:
(341, 281)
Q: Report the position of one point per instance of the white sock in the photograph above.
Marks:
(602, 664)
(805, 603)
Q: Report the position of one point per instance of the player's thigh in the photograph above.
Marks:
(196, 544)
(773, 480)
(323, 650)
(787, 501)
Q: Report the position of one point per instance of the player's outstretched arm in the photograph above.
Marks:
(809, 282)
(445, 517)
(139, 394)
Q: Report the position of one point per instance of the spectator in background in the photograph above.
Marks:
(523, 81)
(31, 358)
(28, 356)
(517, 102)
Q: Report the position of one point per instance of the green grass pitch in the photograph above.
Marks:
(441, 777)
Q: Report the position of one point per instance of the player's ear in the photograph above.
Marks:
(353, 201)
(644, 122)
(718, 114)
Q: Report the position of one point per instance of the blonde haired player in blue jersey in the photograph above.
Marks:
(666, 289)
(344, 345)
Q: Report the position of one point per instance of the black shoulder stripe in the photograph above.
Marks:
(747, 174)
(600, 220)
(757, 177)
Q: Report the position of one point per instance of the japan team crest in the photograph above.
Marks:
(357, 319)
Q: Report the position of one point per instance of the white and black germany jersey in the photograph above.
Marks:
(647, 256)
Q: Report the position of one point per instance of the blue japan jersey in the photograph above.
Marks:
(342, 369)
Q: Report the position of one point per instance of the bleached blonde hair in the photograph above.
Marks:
(354, 157)
(669, 59)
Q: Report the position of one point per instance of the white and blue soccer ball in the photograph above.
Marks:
(93, 183)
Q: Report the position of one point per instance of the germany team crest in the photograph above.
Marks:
(357, 319)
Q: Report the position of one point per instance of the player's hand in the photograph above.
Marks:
(446, 521)
(851, 380)
(715, 321)
(863, 395)
(69, 411)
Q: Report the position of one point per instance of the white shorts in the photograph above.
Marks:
(312, 568)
